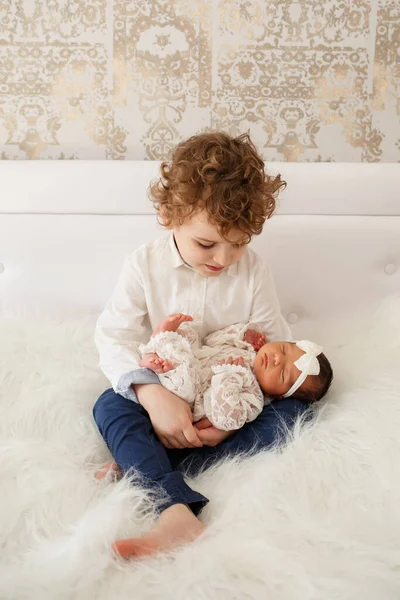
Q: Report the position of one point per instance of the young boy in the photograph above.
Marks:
(213, 196)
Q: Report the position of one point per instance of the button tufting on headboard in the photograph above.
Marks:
(293, 318)
(1, 268)
(390, 269)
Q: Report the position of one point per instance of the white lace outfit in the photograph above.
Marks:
(229, 395)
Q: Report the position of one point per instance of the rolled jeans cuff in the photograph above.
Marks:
(178, 492)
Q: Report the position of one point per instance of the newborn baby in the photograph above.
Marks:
(226, 378)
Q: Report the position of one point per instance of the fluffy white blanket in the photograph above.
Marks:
(319, 519)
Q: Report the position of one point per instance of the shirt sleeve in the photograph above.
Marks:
(120, 330)
(138, 376)
(265, 309)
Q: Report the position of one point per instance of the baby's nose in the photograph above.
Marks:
(277, 359)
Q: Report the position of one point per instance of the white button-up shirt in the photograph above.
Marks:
(156, 282)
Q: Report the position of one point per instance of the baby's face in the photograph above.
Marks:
(275, 369)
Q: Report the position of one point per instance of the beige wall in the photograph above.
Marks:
(314, 80)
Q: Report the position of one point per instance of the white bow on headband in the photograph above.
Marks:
(308, 364)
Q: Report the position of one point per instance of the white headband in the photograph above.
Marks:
(308, 364)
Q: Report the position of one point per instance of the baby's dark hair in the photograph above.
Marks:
(317, 385)
(221, 174)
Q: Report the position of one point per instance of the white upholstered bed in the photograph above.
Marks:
(318, 520)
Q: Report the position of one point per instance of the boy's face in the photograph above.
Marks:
(275, 369)
(203, 248)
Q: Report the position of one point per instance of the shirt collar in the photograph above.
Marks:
(233, 270)
(177, 260)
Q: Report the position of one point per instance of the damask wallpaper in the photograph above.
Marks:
(313, 80)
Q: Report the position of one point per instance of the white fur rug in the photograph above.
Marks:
(318, 520)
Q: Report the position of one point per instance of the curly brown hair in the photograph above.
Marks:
(221, 174)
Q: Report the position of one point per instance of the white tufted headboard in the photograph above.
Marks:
(65, 227)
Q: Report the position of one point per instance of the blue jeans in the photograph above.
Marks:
(133, 443)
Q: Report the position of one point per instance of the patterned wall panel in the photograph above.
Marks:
(313, 80)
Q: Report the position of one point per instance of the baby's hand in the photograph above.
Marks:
(232, 361)
(171, 323)
(152, 361)
(256, 339)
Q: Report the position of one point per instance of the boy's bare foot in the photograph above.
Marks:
(107, 468)
(152, 361)
(171, 323)
(176, 526)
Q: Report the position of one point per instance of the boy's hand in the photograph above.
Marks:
(256, 339)
(170, 416)
(210, 435)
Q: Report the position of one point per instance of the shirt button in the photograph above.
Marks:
(292, 318)
(390, 269)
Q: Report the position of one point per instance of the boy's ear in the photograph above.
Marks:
(161, 213)
(161, 219)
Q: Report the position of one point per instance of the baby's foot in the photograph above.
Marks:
(152, 361)
(171, 323)
(110, 467)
